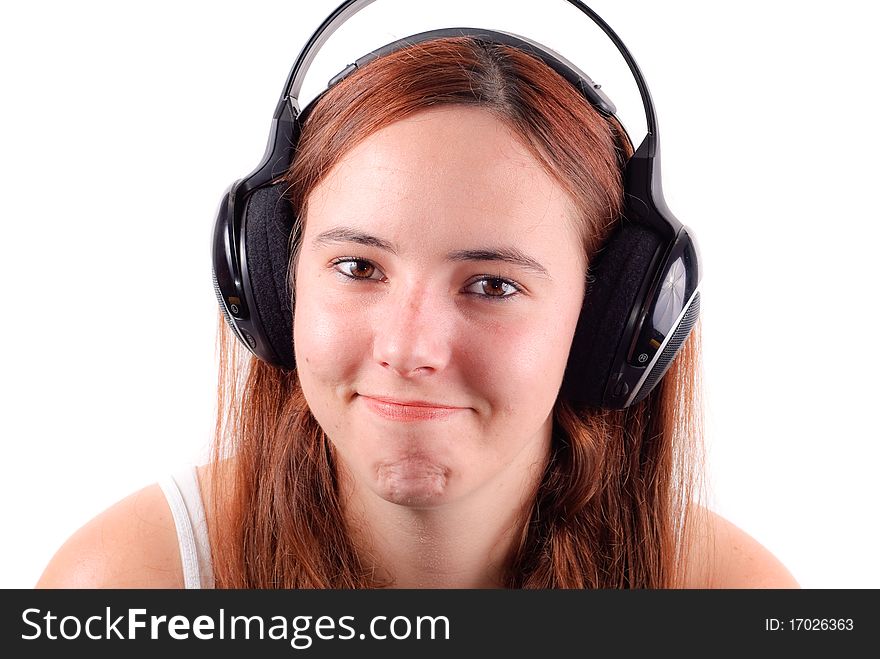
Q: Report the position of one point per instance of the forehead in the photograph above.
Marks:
(450, 175)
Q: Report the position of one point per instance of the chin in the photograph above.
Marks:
(413, 482)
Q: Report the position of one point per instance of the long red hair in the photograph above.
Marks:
(616, 503)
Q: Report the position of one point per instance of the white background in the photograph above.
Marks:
(122, 125)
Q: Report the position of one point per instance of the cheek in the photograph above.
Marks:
(521, 364)
(328, 339)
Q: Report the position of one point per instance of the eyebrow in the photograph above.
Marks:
(510, 255)
(346, 235)
(506, 254)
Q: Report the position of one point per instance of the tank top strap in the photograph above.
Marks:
(181, 489)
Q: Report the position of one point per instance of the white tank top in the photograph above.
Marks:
(181, 489)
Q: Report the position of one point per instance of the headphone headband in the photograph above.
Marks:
(279, 154)
(349, 8)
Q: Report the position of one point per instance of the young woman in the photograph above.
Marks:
(452, 197)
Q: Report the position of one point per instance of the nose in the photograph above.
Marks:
(411, 337)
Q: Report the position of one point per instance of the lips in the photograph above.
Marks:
(409, 410)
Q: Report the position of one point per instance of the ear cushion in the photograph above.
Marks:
(616, 276)
(268, 222)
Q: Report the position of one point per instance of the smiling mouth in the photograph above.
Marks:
(409, 410)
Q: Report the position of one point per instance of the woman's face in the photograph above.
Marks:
(438, 286)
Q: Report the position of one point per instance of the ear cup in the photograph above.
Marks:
(615, 280)
(676, 340)
(268, 222)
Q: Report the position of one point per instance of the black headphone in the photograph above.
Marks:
(642, 300)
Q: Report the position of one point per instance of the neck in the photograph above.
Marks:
(467, 543)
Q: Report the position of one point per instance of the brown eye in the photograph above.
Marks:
(360, 269)
(493, 287)
(357, 269)
(496, 287)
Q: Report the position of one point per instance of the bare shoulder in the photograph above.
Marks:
(132, 544)
(725, 556)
